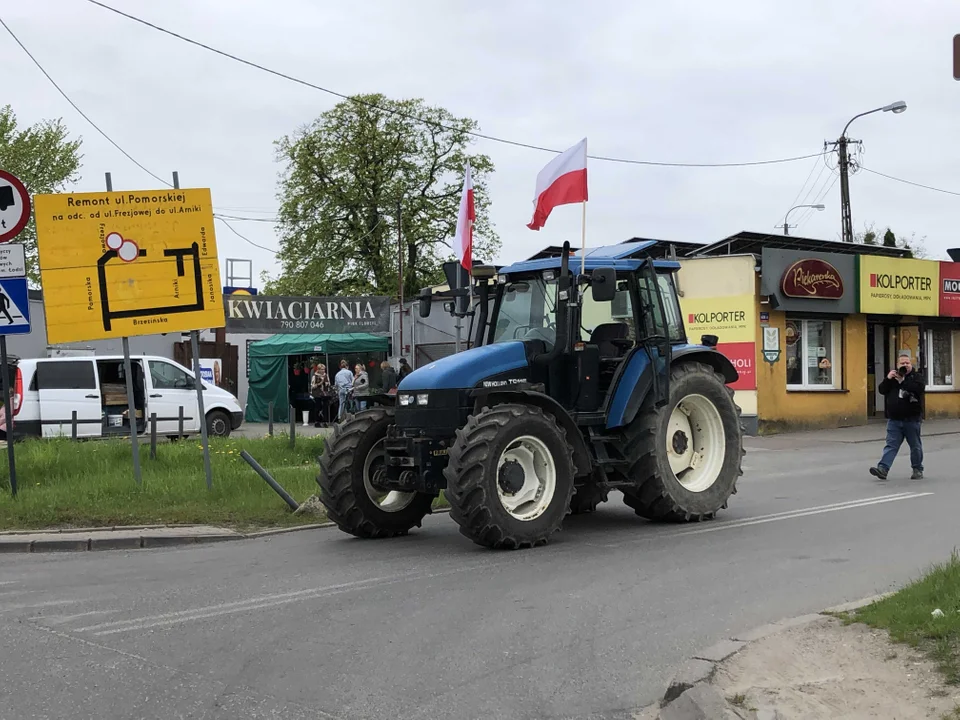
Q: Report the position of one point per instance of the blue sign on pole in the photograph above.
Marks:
(14, 306)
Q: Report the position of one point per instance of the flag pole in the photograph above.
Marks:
(583, 222)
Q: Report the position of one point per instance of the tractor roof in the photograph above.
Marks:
(624, 256)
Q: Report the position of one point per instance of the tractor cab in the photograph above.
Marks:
(580, 381)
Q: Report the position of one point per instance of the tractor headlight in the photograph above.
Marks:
(423, 399)
(406, 400)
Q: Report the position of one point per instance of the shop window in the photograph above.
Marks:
(813, 354)
(939, 359)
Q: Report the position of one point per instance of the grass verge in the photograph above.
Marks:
(907, 615)
(65, 484)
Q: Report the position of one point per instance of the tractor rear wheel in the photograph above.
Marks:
(586, 498)
(510, 477)
(685, 458)
(349, 470)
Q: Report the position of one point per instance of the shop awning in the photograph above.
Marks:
(283, 344)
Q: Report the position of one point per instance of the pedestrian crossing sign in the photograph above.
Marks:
(14, 306)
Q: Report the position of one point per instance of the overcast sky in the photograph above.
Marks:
(695, 81)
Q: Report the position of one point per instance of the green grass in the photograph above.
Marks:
(907, 616)
(65, 484)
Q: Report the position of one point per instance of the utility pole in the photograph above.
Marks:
(843, 164)
(400, 272)
(846, 218)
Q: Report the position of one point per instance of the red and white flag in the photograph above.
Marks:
(562, 182)
(463, 242)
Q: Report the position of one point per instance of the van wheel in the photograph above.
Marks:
(218, 424)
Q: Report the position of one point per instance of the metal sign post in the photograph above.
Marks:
(14, 298)
(198, 382)
(131, 403)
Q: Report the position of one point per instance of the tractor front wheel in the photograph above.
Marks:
(685, 458)
(350, 469)
(510, 477)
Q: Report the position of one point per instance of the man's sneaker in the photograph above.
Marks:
(917, 475)
(878, 472)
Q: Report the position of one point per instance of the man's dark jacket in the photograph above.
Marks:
(904, 398)
(389, 379)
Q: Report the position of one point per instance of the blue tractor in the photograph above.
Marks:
(581, 381)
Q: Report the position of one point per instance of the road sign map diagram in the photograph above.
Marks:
(117, 264)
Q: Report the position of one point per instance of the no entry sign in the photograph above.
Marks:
(14, 206)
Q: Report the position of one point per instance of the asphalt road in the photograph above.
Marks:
(319, 625)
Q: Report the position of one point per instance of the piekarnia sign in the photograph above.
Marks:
(326, 315)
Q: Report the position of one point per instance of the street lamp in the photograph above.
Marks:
(844, 162)
(786, 226)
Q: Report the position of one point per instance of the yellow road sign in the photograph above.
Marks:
(117, 264)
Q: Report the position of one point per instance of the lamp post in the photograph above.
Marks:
(786, 226)
(844, 163)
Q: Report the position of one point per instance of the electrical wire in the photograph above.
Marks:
(75, 107)
(820, 197)
(243, 237)
(813, 167)
(910, 182)
(415, 118)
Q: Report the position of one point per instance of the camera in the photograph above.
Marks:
(902, 370)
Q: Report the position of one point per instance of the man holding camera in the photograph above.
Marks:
(903, 389)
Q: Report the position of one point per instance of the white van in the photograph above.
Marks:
(46, 391)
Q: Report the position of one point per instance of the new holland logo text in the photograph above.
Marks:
(888, 281)
(717, 317)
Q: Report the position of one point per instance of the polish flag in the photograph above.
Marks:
(562, 182)
(463, 242)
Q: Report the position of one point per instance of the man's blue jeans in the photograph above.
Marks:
(897, 432)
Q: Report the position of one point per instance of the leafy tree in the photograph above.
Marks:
(45, 159)
(359, 173)
(913, 245)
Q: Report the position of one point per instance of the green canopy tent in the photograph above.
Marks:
(268, 360)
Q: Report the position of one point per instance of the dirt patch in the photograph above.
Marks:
(830, 670)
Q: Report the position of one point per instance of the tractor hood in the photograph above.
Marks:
(467, 369)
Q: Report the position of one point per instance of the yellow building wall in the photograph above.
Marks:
(722, 277)
(780, 410)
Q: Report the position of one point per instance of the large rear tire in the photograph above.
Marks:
(685, 458)
(510, 477)
(587, 497)
(349, 468)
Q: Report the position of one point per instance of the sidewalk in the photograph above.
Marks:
(130, 537)
(871, 433)
(257, 430)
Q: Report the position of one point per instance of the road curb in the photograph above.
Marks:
(696, 673)
(135, 537)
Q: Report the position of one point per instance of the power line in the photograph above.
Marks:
(813, 167)
(910, 182)
(122, 151)
(243, 237)
(75, 107)
(408, 116)
(826, 191)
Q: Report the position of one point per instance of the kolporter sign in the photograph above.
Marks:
(733, 320)
(897, 286)
(326, 315)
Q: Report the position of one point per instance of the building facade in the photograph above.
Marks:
(823, 325)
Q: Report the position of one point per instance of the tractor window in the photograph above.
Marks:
(527, 310)
(593, 314)
(671, 307)
(653, 321)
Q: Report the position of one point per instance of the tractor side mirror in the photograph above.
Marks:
(709, 340)
(426, 298)
(603, 284)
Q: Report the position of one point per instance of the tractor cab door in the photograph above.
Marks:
(653, 332)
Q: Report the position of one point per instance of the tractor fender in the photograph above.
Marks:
(642, 378)
(581, 455)
(708, 356)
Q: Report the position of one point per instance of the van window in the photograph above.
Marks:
(167, 376)
(66, 375)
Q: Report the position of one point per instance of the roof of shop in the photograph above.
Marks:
(745, 242)
(283, 344)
